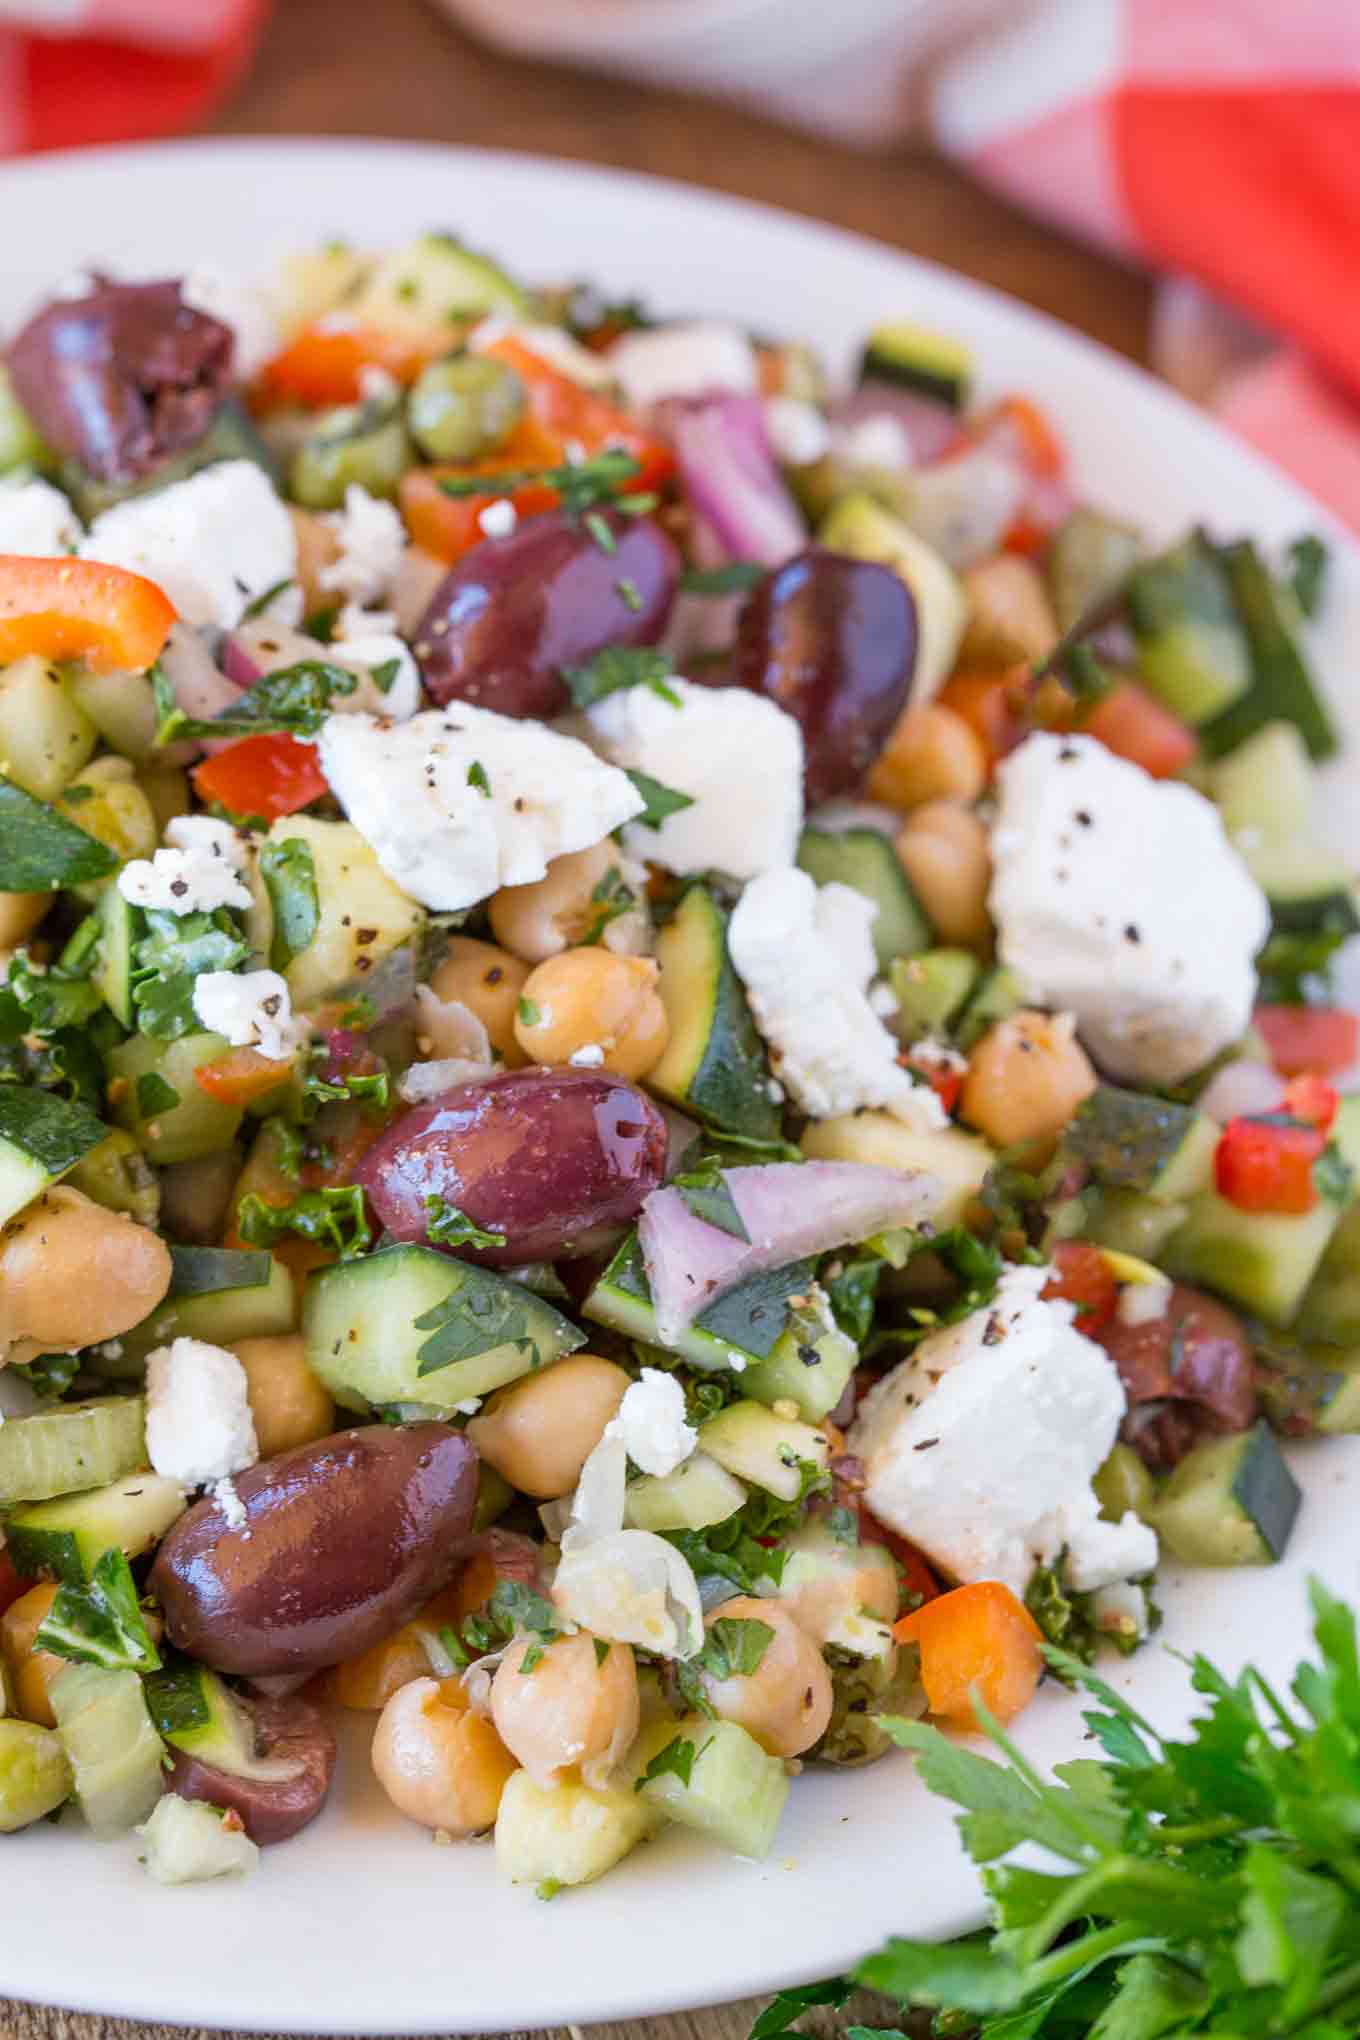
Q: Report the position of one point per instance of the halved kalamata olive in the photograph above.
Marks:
(833, 641)
(1188, 1373)
(293, 1741)
(123, 377)
(343, 1541)
(551, 1158)
(514, 611)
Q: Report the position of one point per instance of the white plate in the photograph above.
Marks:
(362, 1925)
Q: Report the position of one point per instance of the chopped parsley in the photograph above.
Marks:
(705, 1194)
(737, 578)
(676, 1759)
(334, 1217)
(580, 485)
(101, 1622)
(289, 876)
(659, 801)
(609, 901)
(447, 1226)
(296, 699)
(477, 777)
(154, 1095)
(477, 1316)
(615, 668)
(384, 674)
(175, 950)
(1308, 564)
(628, 594)
(528, 1013)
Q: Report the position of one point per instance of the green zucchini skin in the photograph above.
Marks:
(1130, 1141)
(714, 1065)
(1231, 1501)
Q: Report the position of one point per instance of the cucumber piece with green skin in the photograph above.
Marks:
(35, 1774)
(866, 861)
(1193, 652)
(198, 1124)
(1089, 559)
(195, 1711)
(999, 993)
(915, 358)
(435, 281)
(41, 1138)
(959, 1160)
(1231, 1501)
(809, 1365)
(115, 1753)
(1281, 686)
(73, 1447)
(698, 1494)
(118, 931)
(1130, 1222)
(932, 989)
(748, 1322)
(1311, 1390)
(861, 527)
(1267, 784)
(734, 1793)
(366, 1342)
(715, 1064)
(1130, 1141)
(768, 1451)
(1310, 888)
(252, 1302)
(64, 1539)
(1330, 1311)
(117, 1175)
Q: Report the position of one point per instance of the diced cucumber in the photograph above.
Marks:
(41, 1137)
(35, 1774)
(1311, 1389)
(1231, 1501)
(960, 1160)
(859, 526)
(185, 1841)
(770, 1452)
(72, 1447)
(362, 916)
(366, 1330)
(1331, 1308)
(44, 737)
(1091, 556)
(866, 860)
(198, 1124)
(931, 990)
(810, 1365)
(113, 971)
(1123, 1483)
(1309, 887)
(1267, 784)
(749, 1321)
(106, 802)
(1261, 1260)
(115, 1753)
(1281, 686)
(433, 284)
(1133, 1142)
(698, 1493)
(915, 358)
(734, 1793)
(195, 1711)
(259, 1302)
(122, 707)
(714, 1064)
(567, 1834)
(63, 1539)
(998, 994)
(1129, 1222)
(1192, 648)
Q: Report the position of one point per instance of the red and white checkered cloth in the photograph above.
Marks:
(1218, 140)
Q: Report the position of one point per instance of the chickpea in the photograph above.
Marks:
(785, 1703)
(1010, 617)
(488, 981)
(587, 999)
(30, 1672)
(561, 1705)
(437, 1761)
(931, 754)
(562, 909)
(944, 853)
(72, 1273)
(288, 1403)
(317, 547)
(540, 1430)
(1026, 1078)
(20, 913)
(366, 1683)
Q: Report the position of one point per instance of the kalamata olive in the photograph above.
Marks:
(833, 641)
(291, 1739)
(123, 377)
(548, 1157)
(1187, 1373)
(514, 611)
(343, 1541)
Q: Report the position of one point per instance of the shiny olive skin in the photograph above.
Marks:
(344, 1540)
(551, 1158)
(514, 611)
(271, 1809)
(1188, 1375)
(833, 641)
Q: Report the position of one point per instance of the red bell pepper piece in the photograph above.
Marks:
(270, 775)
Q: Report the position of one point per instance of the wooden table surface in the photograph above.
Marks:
(394, 67)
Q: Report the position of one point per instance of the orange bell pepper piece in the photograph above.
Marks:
(564, 408)
(270, 775)
(449, 526)
(1134, 725)
(73, 609)
(322, 365)
(241, 1076)
(992, 704)
(976, 1642)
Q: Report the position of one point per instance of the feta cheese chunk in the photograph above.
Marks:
(738, 756)
(215, 543)
(1119, 897)
(798, 431)
(651, 1423)
(683, 361)
(368, 644)
(458, 802)
(198, 1423)
(198, 871)
(250, 1009)
(372, 539)
(982, 1446)
(36, 520)
(806, 958)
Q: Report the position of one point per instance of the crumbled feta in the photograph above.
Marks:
(368, 644)
(230, 1503)
(36, 520)
(1121, 1610)
(215, 543)
(460, 801)
(210, 838)
(683, 361)
(982, 1446)
(877, 441)
(372, 539)
(738, 756)
(651, 1423)
(250, 1009)
(1120, 897)
(198, 1423)
(806, 957)
(883, 999)
(198, 871)
(798, 431)
(244, 307)
(499, 519)
(1142, 1303)
(588, 1057)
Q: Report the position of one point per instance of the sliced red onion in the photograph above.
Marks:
(790, 1210)
(728, 469)
(1241, 1090)
(260, 646)
(202, 689)
(927, 426)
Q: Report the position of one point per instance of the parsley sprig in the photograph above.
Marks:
(101, 1622)
(580, 485)
(334, 1217)
(296, 698)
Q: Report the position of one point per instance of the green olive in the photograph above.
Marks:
(363, 443)
(464, 406)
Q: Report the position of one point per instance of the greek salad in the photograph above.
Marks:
(667, 1077)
